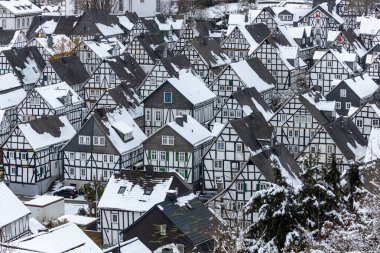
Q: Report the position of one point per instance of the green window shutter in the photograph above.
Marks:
(14, 155)
(45, 77)
(16, 171)
(167, 155)
(257, 186)
(186, 174)
(176, 156)
(186, 157)
(19, 155)
(162, 169)
(245, 187)
(149, 154)
(230, 82)
(27, 155)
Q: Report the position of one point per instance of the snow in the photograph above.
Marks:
(21, 7)
(120, 117)
(191, 87)
(125, 22)
(267, 114)
(216, 129)
(11, 208)
(373, 149)
(66, 238)
(290, 178)
(363, 86)
(9, 81)
(53, 93)
(332, 35)
(72, 209)
(106, 30)
(133, 199)
(192, 131)
(251, 41)
(103, 47)
(134, 245)
(44, 200)
(12, 98)
(181, 201)
(78, 219)
(48, 27)
(219, 11)
(35, 139)
(171, 246)
(333, 13)
(250, 78)
(31, 72)
(61, 43)
(34, 226)
(358, 150)
(368, 25)
(322, 104)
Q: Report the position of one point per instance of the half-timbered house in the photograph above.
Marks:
(242, 103)
(130, 194)
(127, 23)
(185, 94)
(26, 63)
(14, 222)
(53, 45)
(323, 19)
(147, 49)
(109, 74)
(239, 161)
(55, 99)
(372, 62)
(41, 26)
(93, 52)
(242, 40)
(352, 93)
(333, 64)
(11, 94)
(349, 12)
(240, 75)
(108, 142)
(300, 118)
(179, 146)
(164, 69)
(17, 15)
(282, 60)
(369, 30)
(31, 154)
(172, 27)
(207, 58)
(11, 38)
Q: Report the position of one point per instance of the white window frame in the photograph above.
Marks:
(220, 146)
(343, 93)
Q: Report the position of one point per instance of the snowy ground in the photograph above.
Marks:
(218, 11)
(73, 208)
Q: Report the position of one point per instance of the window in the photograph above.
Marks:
(348, 105)
(99, 140)
(167, 140)
(359, 123)
(225, 113)
(158, 115)
(105, 174)
(240, 186)
(218, 164)
(13, 170)
(181, 156)
(238, 114)
(27, 22)
(34, 101)
(220, 146)
(296, 119)
(72, 171)
(168, 97)
(83, 172)
(239, 147)
(296, 133)
(338, 105)
(154, 155)
(338, 76)
(112, 78)
(283, 118)
(320, 76)
(18, 23)
(147, 115)
(329, 63)
(152, 81)
(219, 180)
(24, 156)
(343, 93)
(83, 156)
(313, 149)
(84, 140)
(111, 158)
(375, 122)
(121, 190)
(163, 229)
(105, 158)
(290, 133)
(4, 23)
(232, 113)
(11, 154)
(71, 155)
(162, 155)
(23, 22)
(330, 149)
(115, 218)
(97, 78)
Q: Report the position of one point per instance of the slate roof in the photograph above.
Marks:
(319, 115)
(150, 25)
(204, 28)
(259, 32)
(124, 96)
(23, 60)
(154, 45)
(37, 21)
(66, 24)
(175, 63)
(70, 70)
(211, 53)
(6, 36)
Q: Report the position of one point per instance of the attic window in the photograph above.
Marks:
(148, 190)
(121, 190)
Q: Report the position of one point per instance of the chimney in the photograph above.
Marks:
(171, 195)
(246, 18)
(184, 116)
(205, 41)
(339, 48)
(179, 120)
(267, 150)
(167, 250)
(50, 41)
(316, 98)
(149, 170)
(295, 24)
(97, 37)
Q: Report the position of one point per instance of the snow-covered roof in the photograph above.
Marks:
(169, 24)
(78, 219)
(332, 35)
(373, 148)
(368, 25)
(11, 98)
(44, 200)
(134, 245)
(191, 130)
(66, 238)
(134, 197)
(48, 26)
(108, 30)
(21, 7)
(103, 48)
(217, 128)
(35, 226)
(322, 104)
(11, 208)
(9, 81)
(191, 87)
(125, 22)
(119, 118)
(298, 12)
(333, 13)
(250, 77)
(363, 85)
(47, 131)
(61, 43)
(55, 94)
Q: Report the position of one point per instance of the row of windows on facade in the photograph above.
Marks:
(83, 157)
(164, 156)
(221, 146)
(20, 23)
(83, 172)
(16, 171)
(375, 122)
(241, 186)
(96, 140)
(158, 114)
(298, 119)
(337, 76)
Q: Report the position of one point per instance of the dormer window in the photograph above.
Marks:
(128, 136)
(148, 190)
(121, 190)
(123, 130)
